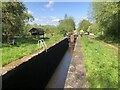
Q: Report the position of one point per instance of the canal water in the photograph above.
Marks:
(58, 78)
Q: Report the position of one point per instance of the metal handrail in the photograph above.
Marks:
(41, 43)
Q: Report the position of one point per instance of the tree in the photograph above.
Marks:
(66, 25)
(106, 15)
(65, 17)
(14, 17)
(84, 25)
(93, 28)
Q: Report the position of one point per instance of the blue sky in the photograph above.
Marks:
(51, 12)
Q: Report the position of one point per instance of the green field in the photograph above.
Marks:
(24, 46)
(101, 61)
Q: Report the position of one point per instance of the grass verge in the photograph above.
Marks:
(101, 63)
(23, 47)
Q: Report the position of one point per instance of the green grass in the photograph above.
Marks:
(101, 62)
(24, 46)
(109, 39)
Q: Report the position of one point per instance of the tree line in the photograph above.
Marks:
(67, 24)
(15, 18)
(105, 17)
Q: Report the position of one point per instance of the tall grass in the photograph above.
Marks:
(24, 46)
(101, 62)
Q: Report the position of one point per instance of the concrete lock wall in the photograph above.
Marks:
(36, 72)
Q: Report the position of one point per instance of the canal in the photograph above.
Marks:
(58, 78)
(45, 70)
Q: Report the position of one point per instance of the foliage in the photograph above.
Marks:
(94, 28)
(24, 47)
(51, 29)
(106, 15)
(101, 62)
(84, 25)
(66, 25)
(27, 27)
(14, 17)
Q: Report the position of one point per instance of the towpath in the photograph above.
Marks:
(76, 77)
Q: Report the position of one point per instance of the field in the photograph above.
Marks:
(24, 46)
(101, 61)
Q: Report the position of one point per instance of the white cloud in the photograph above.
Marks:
(36, 19)
(30, 12)
(49, 5)
(44, 17)
(54, 19)
(41, 19)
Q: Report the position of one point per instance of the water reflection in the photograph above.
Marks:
(59, 77)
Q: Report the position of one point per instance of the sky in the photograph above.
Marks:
(51, 12)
